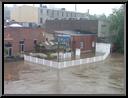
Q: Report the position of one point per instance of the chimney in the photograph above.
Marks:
(75, 8)
(40, 5)
(88, 11)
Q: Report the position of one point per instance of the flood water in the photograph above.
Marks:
(105, 77)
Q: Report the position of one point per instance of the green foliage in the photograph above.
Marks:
(117, 28)
(49, 56)
(98, 17)
(93, 17)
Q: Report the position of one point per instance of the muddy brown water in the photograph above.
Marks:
(105, 77)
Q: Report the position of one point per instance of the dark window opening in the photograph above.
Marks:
(40, 20)
(35, 41)
(41, 11)
(21, 46)
(67, 14)
(103, 25)
(57, 13)
(21, 42)
(8, 45)
(47, 12)
(62, 14)
(9, 51)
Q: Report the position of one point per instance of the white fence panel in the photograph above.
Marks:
(83, 61)
(47, 62)
(34, 59)
(72, 62)
(62, 65)
(40, 61)
(105, 49)
(76, 62)
(55, 64)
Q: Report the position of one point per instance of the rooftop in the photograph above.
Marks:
(15, 25)
(75, 32)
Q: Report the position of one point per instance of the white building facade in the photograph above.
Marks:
(51, 14)
(40, 14)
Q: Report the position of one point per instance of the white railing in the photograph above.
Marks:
(104, 48)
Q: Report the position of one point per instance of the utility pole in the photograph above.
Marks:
(40, 5)
(58, 47)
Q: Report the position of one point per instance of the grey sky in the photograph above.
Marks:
(93, 8)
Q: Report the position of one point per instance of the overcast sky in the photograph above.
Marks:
(93, 8)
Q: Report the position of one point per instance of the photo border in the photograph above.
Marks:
(56, 2)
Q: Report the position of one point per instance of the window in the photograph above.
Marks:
(40, 20)
(21, 46)
(81, 45)
(52, 13)
(71, 14)
(35, 42)
(8, 49)
(62, 14)
(103, 25)
(57, 13)
(93, 44)
(47, 12)
(74, 14)
(67, 14)
(41, 11)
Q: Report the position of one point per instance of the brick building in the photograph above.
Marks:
(21, 39)
(60, 25)
(85, 41)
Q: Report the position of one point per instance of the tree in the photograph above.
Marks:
(102, 17)
(93, 17)
(116, 28)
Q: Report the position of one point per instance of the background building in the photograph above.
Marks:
(83, 25)
(25, 14)
(7, 12)
(40, 14)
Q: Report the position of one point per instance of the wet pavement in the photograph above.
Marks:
(105, 77)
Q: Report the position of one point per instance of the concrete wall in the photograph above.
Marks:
(103, 29)
(103, 47)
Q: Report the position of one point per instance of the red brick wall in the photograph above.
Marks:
(88, 39)
(26, 34)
